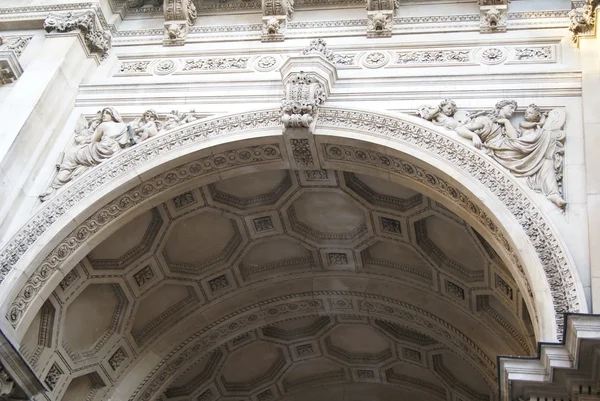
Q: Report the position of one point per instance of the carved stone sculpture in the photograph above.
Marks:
(179, 15)
(176, 118)
(274, 28)
(302, 97)
(493, 15)
(533, 151)
(276, 14)
(97, 41)
(380, 15)
(379, 23)
(583, 20)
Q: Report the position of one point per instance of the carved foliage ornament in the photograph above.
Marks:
(318, 46)
(96, 40)
(303, 95)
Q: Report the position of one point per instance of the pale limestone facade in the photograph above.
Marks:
(299, 200)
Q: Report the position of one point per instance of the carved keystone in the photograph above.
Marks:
(307, 80)
(380, 17)
(493, 15)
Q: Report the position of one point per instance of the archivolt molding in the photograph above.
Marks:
(553, 256)
(56, 214)
(311, 304)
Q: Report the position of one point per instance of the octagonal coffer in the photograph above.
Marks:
(251, 191)
(326, 217)
(93, 317)
(198, 242)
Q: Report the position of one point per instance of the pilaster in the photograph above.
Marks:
(39, 102)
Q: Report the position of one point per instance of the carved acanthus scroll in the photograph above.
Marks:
(276, 14)
(533, 151)
(179, 16)
(493, 15)
(380, 17)
(96, 39)
(583, 20)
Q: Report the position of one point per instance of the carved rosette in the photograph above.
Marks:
(583, 20)
(303, 96)
(276, 14)
(493, 15)
(97, 41)
(179, 16)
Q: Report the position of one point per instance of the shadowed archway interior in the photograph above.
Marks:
(301, 285)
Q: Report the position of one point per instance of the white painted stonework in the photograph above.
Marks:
(298, 199)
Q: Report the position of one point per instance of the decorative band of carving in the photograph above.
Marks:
(549, 250)
(251, 316)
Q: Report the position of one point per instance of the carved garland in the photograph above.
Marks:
(549, 250)
(551, 254)
(250, 317)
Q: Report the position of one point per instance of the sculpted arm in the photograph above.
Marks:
(509, 129)
(466, 131)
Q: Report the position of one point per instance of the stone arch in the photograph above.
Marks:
(293, 306)
(402, 147)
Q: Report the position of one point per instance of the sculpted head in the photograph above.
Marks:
(448, 107)
(533, 113)
(506, 108)
(108, 114)
(150, 115)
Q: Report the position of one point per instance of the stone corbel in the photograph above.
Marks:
(307, 80)
(380, 17)
(10, 69)
(97, 42)
(276, 14)
(583, 20)
(493, 15)
(179, 16)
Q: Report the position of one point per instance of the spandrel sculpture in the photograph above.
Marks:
(105, 135)
(533, 151)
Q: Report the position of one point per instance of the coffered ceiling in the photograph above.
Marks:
(364, 290)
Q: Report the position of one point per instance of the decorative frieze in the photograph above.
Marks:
(434, 57)
(96, 39)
